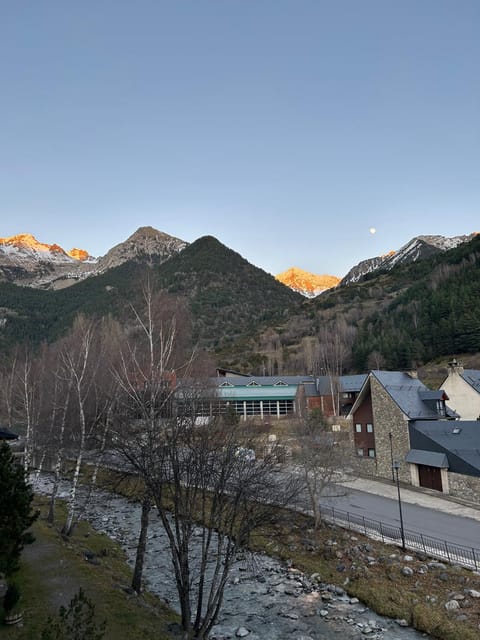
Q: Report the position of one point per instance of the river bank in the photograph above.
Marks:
(264, 599)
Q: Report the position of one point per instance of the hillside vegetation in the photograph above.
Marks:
(398, 319)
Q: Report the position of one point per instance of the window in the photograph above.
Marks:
(253, 384)
(280, 383)
(371, 453)
(335, 427)
(358, 428)
(369, 428)
(441, 407)
(226, 384)
(359, 452)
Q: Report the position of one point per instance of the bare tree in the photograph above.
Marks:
(209, 495)
(151, 350)
(7, 385)
(80, 358)
(322, 458)
(336, 340)
(192, 464)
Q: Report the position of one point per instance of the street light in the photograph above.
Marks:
(396, 466)
(391, 456)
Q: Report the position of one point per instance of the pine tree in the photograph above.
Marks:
(16, 516)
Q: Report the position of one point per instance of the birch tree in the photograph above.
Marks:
(336, 341)
(79, 365)
(150, 353)
(193, 470)
(322, 458)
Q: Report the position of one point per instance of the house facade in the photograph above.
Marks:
(450, 452)
(336, 395)
(261, 397)
(386, 404)
(463, 389)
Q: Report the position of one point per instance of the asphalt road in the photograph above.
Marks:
(435, 524)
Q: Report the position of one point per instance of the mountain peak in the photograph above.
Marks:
(25, 245)
(306, 283)
(417, 248)
(144, 242)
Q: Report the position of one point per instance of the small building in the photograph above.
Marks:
(385, 406)
(336, 395)
(263, 397)
(463, 389)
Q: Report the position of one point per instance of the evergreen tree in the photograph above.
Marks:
(75, 623)
(16, 516)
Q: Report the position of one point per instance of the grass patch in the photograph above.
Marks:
(54, 568)
(366, 569)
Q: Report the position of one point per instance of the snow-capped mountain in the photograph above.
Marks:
(24, 246)
(417, 248)
(306, 283)
(24, 260)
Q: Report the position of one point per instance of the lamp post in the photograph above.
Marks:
(396, 466)
(391, 456)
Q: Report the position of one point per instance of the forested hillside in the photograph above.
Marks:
(228, 297)
(437, 314)
(398, 319)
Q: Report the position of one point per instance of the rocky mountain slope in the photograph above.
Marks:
(25, 260)
(228, 297)
(145, 244)
(420, 309)
(417, 248)
(306, 283)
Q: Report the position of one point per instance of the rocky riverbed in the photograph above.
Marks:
(264, 599)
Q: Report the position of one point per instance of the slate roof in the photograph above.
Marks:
(411, 395)
(459, 440)
(346, 384)
(472, 377)
(428, 458)
(263, 381)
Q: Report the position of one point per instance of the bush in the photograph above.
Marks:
(75, 623)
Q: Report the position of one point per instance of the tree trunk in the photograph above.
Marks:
(142, 544)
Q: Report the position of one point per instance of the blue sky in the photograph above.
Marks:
(286, 129)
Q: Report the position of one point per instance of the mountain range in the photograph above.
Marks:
(422, 306)
(25, 260)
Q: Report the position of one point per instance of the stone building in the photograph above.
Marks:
(448, 455)
(388, 402)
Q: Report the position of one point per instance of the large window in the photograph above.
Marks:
(358, 428)
(369, 428)
(371, 453)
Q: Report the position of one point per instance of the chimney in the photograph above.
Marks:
(454, 367)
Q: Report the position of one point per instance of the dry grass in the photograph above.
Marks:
(419, 599)
(53, 569)
(342, 558)
(372, 572)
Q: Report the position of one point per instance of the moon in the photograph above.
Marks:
(372, 230)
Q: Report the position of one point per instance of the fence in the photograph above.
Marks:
(434, 547)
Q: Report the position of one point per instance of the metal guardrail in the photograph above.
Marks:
(433, 547)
